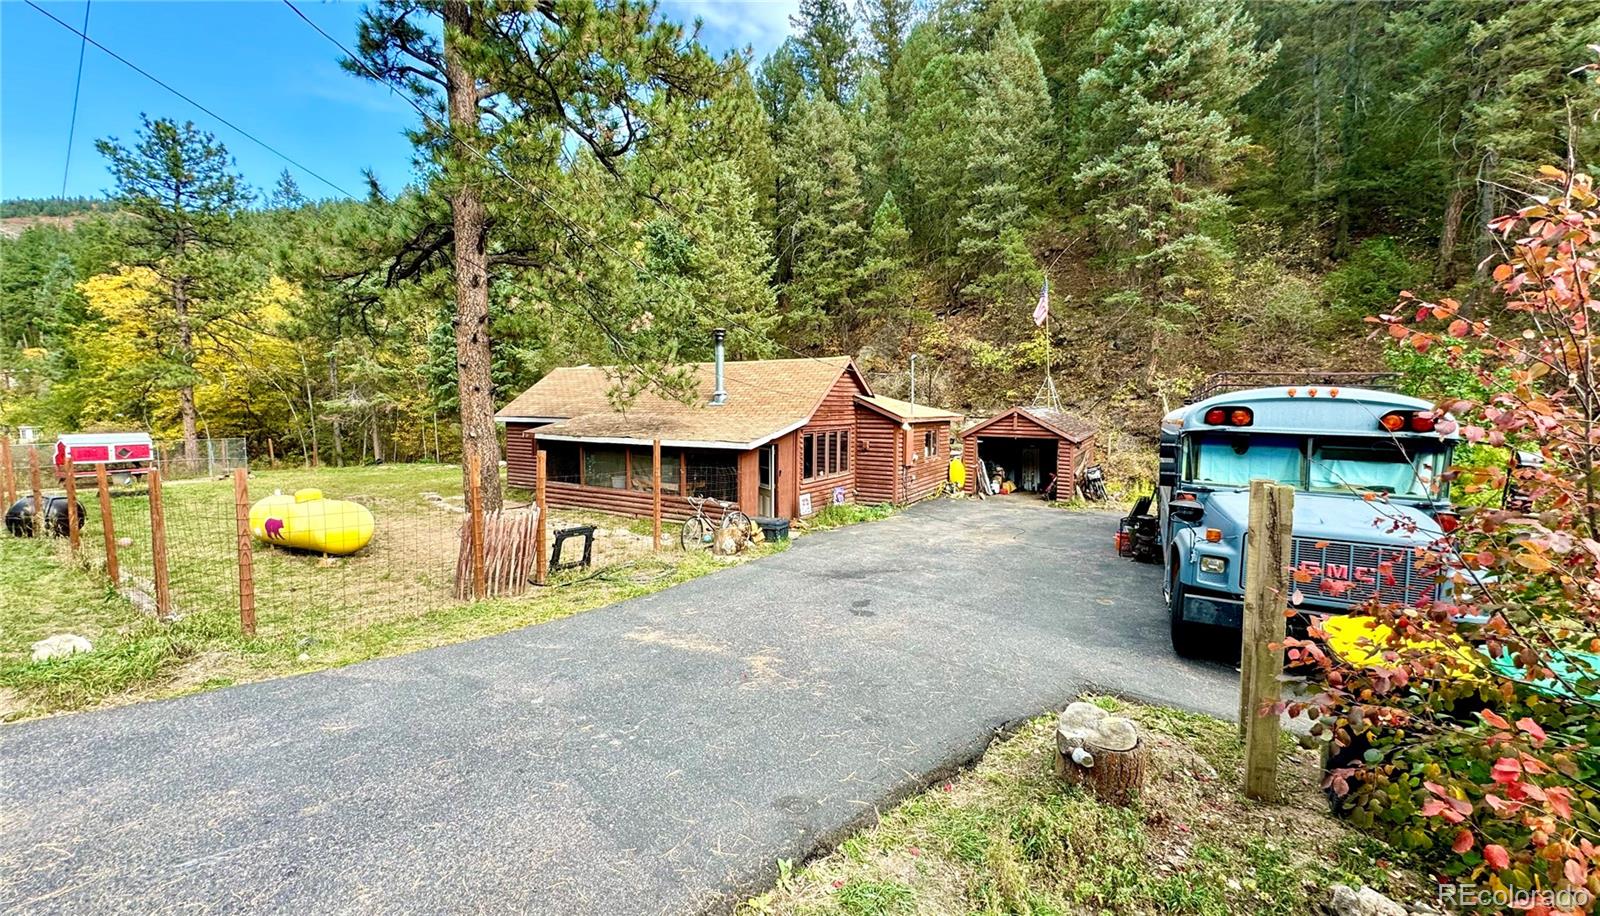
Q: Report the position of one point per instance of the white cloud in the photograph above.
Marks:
(730, 24)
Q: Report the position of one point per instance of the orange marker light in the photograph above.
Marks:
(1241, 417)
(1393, 422)
(1213, 535)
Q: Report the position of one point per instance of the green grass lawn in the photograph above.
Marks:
(312, 612)
(1007, 837)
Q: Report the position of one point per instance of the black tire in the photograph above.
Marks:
(1189, 640)
(694, 535)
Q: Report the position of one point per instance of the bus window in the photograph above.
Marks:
(1376, 465)
(1234, 461)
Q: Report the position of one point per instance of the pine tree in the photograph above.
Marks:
(1158, 136)
(888, 278)
(1005, 166)
(286, 194)
(178, 184)
(888, 22)
(820, 221)
(826, 48)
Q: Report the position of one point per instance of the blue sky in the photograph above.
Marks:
(254, 63)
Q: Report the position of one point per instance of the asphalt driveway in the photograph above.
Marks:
(657, 756)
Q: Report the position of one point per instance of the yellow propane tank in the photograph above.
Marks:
(309, 522)
(958, 473)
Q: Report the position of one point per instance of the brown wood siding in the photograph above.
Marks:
(636, 503)
(837, 411)
(877, 457)
(926, 475)
(521, 457)
(789, 476)
(750, 482)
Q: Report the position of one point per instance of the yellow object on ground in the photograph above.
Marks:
(309, 522)
(1362, 642)
(958, 473)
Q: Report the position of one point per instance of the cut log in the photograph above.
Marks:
(1101, 752)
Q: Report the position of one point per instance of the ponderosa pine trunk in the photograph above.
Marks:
(475, 390)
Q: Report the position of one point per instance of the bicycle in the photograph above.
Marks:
(698, 533)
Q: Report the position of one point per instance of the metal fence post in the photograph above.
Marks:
(158, 546)
(541, 566)
(247, 572)
(1266, 599)
(108, 525)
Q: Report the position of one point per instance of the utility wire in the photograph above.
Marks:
(152, 78)
(77, 88)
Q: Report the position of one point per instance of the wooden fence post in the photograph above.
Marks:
(9, 481)
(1266, 599)
(247, 570)
(72, 506)
(158, 546)
(475, 509)
(541, 540)
(655, 503)
(108, 525)
(38, 491)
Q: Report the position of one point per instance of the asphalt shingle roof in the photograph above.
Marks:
(766, 398)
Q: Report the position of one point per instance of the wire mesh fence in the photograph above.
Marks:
(306, 553)
(211, 458)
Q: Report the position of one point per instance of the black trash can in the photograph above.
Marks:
(773, 529)
(20, 521)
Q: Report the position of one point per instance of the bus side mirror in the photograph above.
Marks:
(1188, 512)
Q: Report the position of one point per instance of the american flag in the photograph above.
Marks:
(1041, 312)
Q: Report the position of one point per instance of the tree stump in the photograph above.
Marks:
(1099, 751)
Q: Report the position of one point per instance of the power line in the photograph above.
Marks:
(154, 79)
(77, 88)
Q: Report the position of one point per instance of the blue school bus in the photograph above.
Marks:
(1368, 467)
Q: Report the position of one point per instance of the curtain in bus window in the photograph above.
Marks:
(1235, 461)
(1379, 466)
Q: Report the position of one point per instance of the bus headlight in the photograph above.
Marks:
(1214, 565)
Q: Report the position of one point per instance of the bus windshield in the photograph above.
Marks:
(1412, 469)
(1376, 465)
(1235, 460)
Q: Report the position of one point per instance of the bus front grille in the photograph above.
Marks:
(1349, 574)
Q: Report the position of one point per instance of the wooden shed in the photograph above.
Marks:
(1030, 446)
(903, 449)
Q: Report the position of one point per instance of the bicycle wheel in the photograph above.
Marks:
(696, 534)
(733, 518)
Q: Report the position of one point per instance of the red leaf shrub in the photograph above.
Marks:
(1478, 745)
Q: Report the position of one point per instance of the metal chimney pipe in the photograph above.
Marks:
(720, 395)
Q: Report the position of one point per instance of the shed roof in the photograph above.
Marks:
(766, 398)
(905, 410)
(1067, 425)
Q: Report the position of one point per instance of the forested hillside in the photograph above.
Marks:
(1206, 185)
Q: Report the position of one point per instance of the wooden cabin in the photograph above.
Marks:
(778, 437)
(1031, 447)
(903, 449)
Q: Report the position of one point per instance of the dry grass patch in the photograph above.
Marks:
(1006, 837)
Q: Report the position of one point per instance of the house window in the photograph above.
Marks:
(930, 445)
(562, 462)
(605, 467)
(825, 454)
(639, 462)
(711, 472)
